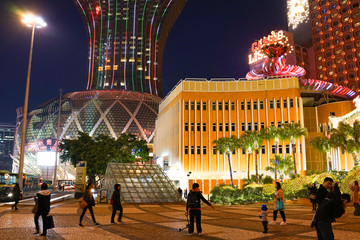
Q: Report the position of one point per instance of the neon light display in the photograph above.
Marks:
(126, 42)
(278, 37)
(319, 85)
(298, 12)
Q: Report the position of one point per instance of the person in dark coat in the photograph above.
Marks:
(312, 195)
(16, 196)
(43, 201)
(89, 199)
(193, 207)
(333, 206)
(323, 190)
(116, 203)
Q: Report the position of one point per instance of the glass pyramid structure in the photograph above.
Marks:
(140, 183)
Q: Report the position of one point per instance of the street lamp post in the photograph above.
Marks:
(33, 22)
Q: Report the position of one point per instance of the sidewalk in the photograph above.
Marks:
(155, 221)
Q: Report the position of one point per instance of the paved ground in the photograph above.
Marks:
(154, 221)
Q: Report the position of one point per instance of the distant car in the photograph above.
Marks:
(69, 187)
(6, 194)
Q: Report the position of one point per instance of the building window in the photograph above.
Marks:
(263, 149)
(285, 103)
(256, 126)
(242, 105)
(255, 105)
(186, 127)
(198, 127)
(271, 104)
(243, 151)
(272, 124)
(233, 127)
(204, 106)
(226, 106)
(220, 106)
(192, 126)
(226, 127)
(214, 149)
(192, 106)
(287, 148)
(186, 105)
(186, 149)
(291, 102)
(249, 126)
(204, 149)
(248, 105)
(204, 127)
(198, 150)
(232, 106)
(243, 127)
(261, 104)
(220, 127)
(214, 106)
(262, 125)
(192, 150)
(279, 124)
(273, 149)
(280, 149)
(214, 127)
(198, 106)
(278, 104)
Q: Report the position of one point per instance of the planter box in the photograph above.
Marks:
(304, 201)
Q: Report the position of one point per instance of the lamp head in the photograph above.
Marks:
(30, 20)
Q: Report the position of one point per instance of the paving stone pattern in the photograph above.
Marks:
(162, 221)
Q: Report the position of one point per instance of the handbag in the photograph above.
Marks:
(279, 205)
(83, 204)
(35, 208)
(312, 196)
(50, 222)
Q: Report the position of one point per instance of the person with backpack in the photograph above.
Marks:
(193, 207)
(333, 206)
(323, 190)
(42, 200)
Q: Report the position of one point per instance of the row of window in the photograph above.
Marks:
(191, 150)
(227, 126)
(227, 106)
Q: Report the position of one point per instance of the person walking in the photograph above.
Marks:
(89, 199)
(323, 190)
(193, 207)
(312, 196)
(43, 208)
(333, 206)
(279, 204)
(264, 217)
(16, 195)
(116, 203)
(355, 193)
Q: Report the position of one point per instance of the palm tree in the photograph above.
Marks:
(246, 144)
(228, 145)
(322, 144)
(282, 166)
(257, 139)
(347, 137)
(276, 134)
(293, 131)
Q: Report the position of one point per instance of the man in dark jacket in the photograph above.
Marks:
(333, 206)
(16, 192)
(43, 201)
(116, 203)
(193, 207)
(323, 190)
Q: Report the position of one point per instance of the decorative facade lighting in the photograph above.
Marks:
(298, 12)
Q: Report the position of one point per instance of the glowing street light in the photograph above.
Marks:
(33, 22)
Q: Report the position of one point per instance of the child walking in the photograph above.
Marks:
(264, 217)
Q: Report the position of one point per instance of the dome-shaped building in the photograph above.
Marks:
(94, 112)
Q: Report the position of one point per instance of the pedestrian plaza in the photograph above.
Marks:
(162, 221)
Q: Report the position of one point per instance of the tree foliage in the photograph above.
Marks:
(284, 167)
(101, 150)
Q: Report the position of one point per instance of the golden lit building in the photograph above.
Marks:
(198, 111)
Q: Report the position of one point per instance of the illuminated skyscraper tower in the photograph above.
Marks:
(126, 42)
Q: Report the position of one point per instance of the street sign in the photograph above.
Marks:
(80, 178)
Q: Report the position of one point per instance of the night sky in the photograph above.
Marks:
(210, 39)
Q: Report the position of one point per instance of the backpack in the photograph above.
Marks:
(193, 201)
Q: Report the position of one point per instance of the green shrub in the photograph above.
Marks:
(353, 175)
